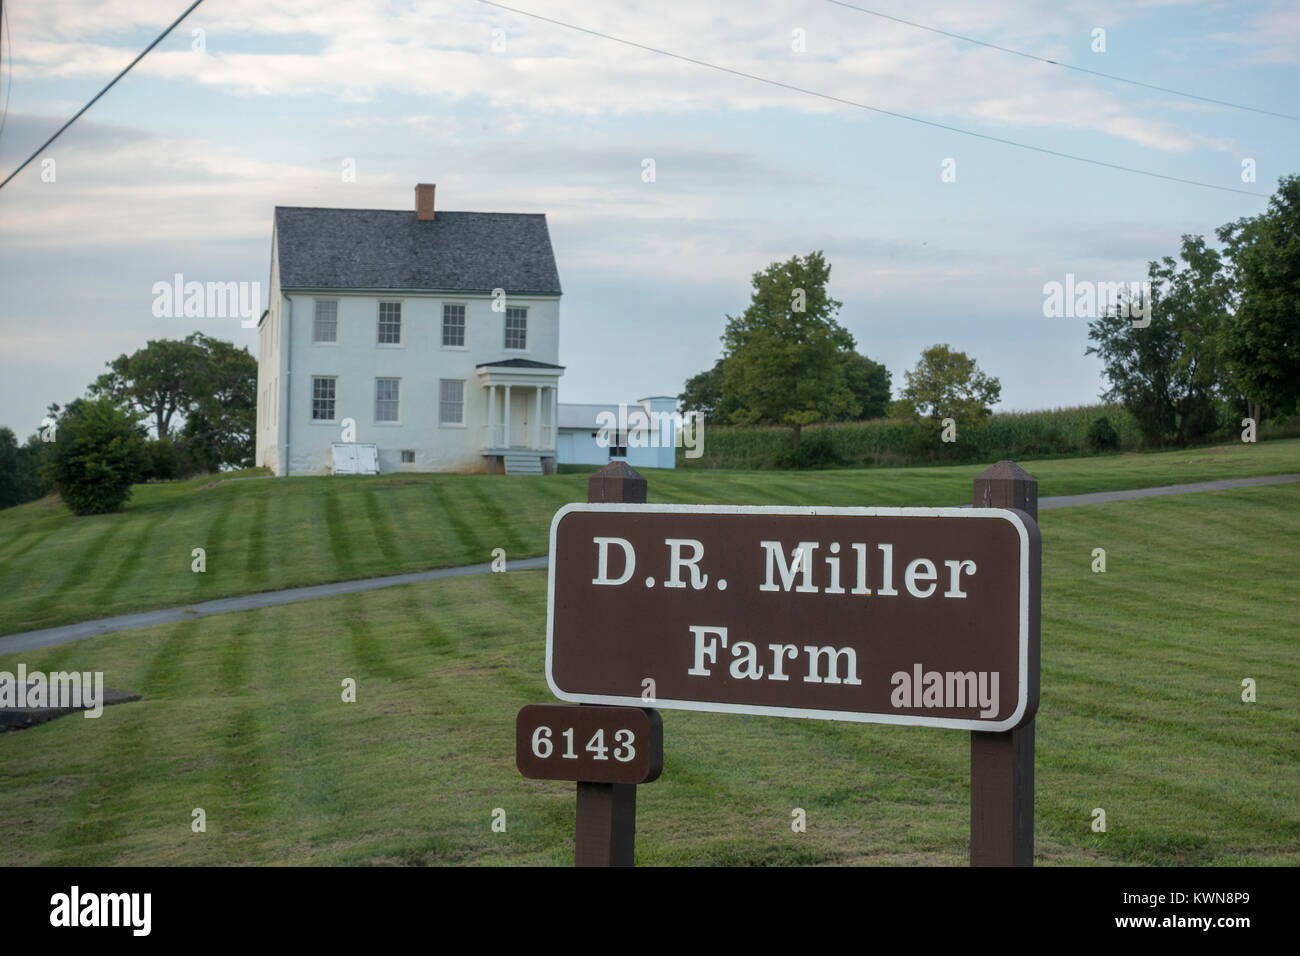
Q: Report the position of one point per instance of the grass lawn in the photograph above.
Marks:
(1141, 711)
(272, 533)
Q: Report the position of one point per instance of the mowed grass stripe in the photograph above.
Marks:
(119, 807)
(13, 549)
(451, 506)
(425, 615)
(60, 591)
(137, 553)
(381, 527)
(505, 524)
(257, 541)
(302, 766)
(220, 551)
(342, 545)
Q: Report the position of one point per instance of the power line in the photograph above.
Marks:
(1064, 66)
(110, 85)
(874, 109)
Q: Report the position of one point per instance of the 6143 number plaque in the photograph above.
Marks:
(589, 744)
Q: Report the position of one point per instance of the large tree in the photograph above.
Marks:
(949, 384)
(19, 478)
(1168, 373)
(1259, 340)
(703, 394)
(160, 380)
(870, 383)
(202, 387)
(783, 356)
(220, 423)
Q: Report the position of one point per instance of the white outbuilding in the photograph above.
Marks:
(644, 434)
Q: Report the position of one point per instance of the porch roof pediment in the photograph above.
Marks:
(518, 371)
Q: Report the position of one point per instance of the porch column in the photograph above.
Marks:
(492, 416)
(506, 417)
(555, 418)
(537, 419)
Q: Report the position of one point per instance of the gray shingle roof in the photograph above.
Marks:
(517, 363)
(391, 249)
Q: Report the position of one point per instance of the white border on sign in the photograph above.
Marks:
(913, 720)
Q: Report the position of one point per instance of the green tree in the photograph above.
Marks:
(870, 384)
(161, 380)
(37, 451)
(222, 417)
(949, 384)
(201, 391)
(782, 361)
(19, 480)
(98, 452)
(1259, 340)
(703, 394)
(1168, 373)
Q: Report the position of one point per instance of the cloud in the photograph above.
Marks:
(361, 50)
(1271, 35)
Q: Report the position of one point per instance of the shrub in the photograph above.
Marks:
(901, 408)
(98, 453)
(162, 461)
(816, 450)
(1102, 436)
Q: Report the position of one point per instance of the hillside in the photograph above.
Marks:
(1141, 715)
(270, 533)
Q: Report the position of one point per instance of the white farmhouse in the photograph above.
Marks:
(427, 341)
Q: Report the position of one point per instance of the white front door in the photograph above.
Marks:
(521, 417)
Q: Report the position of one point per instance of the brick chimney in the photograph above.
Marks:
(424, 202)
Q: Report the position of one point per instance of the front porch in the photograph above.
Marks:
(519, 436)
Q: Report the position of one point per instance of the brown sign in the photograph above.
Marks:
(923, 616)
(589, 744)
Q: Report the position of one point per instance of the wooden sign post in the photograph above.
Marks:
(606, 820)
(1002, 764)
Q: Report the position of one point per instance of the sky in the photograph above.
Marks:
(250, 104)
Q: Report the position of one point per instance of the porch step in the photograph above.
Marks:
(523, 464)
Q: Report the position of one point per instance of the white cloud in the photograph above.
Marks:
(1271, 35)
(360, 50)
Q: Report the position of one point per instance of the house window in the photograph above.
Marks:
(322, 398)
(325, 324)
(516, 328)
(390, 323)
(618, 445)
(451, 402)
(408, 457)
(453, 325)
(387, 391)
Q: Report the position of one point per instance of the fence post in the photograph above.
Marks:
(1002, 764)
(606, 817)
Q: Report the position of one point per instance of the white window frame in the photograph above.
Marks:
(334, 399)
(505, 326)
(397, 401)
(316, 318)
(441, 400)
(464, 327)
(401, 324)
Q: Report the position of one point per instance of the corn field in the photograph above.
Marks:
(1022, 436)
